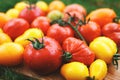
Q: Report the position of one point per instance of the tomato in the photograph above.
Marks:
(45, 57)
(42, 23)
(55, 15)
(20, 6)
(13, 13)
(30, 13)
(60, 33)
(102, 16)
(112, 30)
(104, 48)
(4, 38)
(76, 50)
(74, 71)
(75, 7)
(3, 19)
(42, 5)
(30, 33)
(98, 69)
(90, 31)
(56, 5)
(11, 54)
(15, 27)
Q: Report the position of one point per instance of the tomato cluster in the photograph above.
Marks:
(46, 37)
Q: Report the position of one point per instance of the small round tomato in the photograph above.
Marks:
(60, 33)
(42, 23)
(15, 27)
(74, 71)
(56, 5)
(102, 16)
(43, 55)
(11, 54)
(30, 13)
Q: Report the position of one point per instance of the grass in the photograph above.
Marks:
(88, 4)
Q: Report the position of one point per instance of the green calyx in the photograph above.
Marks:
(66, 56)
(36, 43)
(115, 59)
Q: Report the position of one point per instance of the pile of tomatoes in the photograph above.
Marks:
(47, 37)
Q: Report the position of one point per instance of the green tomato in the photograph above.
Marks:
(54, 15)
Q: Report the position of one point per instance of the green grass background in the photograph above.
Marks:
(88, 4)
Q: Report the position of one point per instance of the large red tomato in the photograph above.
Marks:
(30, 13)
(60, 33)
(43, 55)
(15, 27)
(42, 23)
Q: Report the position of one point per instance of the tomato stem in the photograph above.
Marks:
(66, 56)
(36, 43)
(115, 59)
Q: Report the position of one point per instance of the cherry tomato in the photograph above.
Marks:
(74, 71)
(112, 30)
(15, 27)
(90, 31)
(76, 50)
(42, 23)
(30, 13)
(45, 57)
(102, 16)
(11, 54)
(60, 33)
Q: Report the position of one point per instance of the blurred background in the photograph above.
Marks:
(88, 4)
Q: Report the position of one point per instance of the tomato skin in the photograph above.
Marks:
(90, 31)
(60, 33)
(79, 50)
(30, 13)
(112, 30)
(46, 59)
(15, 27)
(42, 23)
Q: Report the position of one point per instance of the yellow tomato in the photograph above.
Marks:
(42, 5)
(4, 38)
(56, 5)
(13, 13)
(1, 30)
(98, 69)
(11, 54)
(74, 71)
(20, 5)
(104, 48)
(30, 33)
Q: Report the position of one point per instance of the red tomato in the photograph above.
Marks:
(42, 23)
(45, 57)
(30, 13)
(60, 33)
(112, 30)
(76, 50)
(90, 31)
(15, 27)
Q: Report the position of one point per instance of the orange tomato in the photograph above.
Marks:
(102, 16)
(11, 54)
(56, 5)
(3, 19)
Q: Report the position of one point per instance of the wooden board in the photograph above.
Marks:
(113, 74)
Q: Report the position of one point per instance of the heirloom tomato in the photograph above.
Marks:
(11, 54)
(60, 33)
(30, 13)
(98, 69)
(15, 27)
(112, 30)
(90, 31)
(42, 23)
(102, 16)
(104, 48)
(74, 71)
(77, 50)
(43, 55)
